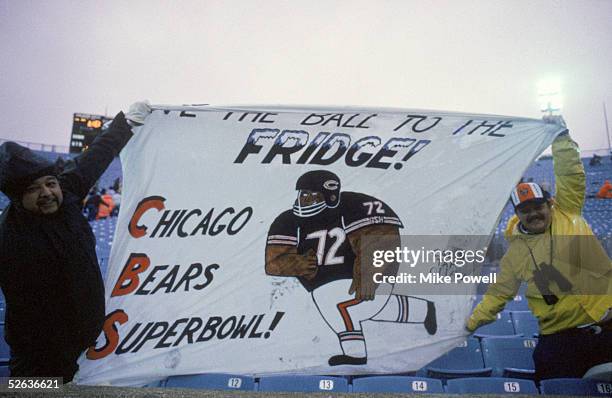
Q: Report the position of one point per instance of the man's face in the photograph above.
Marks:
(308, 198)
(43, 196)
(534, 216)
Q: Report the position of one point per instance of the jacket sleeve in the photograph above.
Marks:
(496, 297)
(89, 166)
(570, 178)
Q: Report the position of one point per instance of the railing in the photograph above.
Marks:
(36, 146)
(587, 153)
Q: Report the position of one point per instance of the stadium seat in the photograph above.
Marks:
(463, 361)
(522, 289)
(397, 384)
(155, 384)
(212, 381)
(4, 371)
(576, 387)
(303, 383)
(5, 350)
(602, 372)
(518, 303)
(525, 323)
(490, 385)
(510, 358)
(501, 327)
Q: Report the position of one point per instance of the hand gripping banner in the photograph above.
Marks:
(242, 230)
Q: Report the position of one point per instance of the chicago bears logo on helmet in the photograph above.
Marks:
(331, 185)
(323, 181)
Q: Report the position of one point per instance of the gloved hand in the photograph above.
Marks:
(470, 326)
(137, 113)
(554, 119)
(558, 120)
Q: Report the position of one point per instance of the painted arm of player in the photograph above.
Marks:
(380, 237)
(285, 261)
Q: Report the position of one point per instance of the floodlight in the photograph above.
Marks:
(549, 95)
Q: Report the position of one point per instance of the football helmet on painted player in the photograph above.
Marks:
(317, 190)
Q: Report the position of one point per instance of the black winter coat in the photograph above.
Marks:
(49, 271)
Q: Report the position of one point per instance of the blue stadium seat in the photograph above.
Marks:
(4, 201)
(602, 372)
(158, 383)
(5, 350)
(303, 383)
(525, 323)
(501, 327)
(212, 381)
(522, 289)
(490, 385)
(397, 384)
(4, 371)
(509, 357)
(518, 303)
(576, 387)
(463, 361)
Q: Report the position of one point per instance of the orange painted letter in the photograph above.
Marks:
(110, 333)
(137, 263)
(151, 202)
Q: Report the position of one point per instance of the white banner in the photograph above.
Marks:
(207, 189)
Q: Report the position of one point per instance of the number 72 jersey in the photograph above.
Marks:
(326, 234)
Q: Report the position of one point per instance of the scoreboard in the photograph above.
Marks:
(85, 128)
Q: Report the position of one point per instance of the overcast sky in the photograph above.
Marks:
(59, 57)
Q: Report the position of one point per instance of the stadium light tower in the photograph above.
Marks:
(549, 95)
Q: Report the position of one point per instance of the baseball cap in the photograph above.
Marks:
(528, 192)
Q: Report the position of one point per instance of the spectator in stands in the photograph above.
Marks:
(49, 272)
(117, 202)
(117, 185)
(595, 160)
(605, 192)
(106, 205)
(567, 290)
(92, 202)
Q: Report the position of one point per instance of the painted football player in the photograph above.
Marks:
(319, 242)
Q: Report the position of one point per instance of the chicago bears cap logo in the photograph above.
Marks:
(525, 192)
(331, 185)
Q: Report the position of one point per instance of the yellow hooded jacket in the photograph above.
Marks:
(576, 253)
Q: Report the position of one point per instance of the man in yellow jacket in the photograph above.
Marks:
(568, 274)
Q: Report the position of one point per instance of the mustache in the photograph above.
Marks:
(535, 218)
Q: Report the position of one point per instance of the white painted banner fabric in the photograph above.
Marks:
(207, 189)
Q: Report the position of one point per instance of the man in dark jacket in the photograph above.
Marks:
(49, 271)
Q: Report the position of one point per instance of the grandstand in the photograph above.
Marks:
(495, 360)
